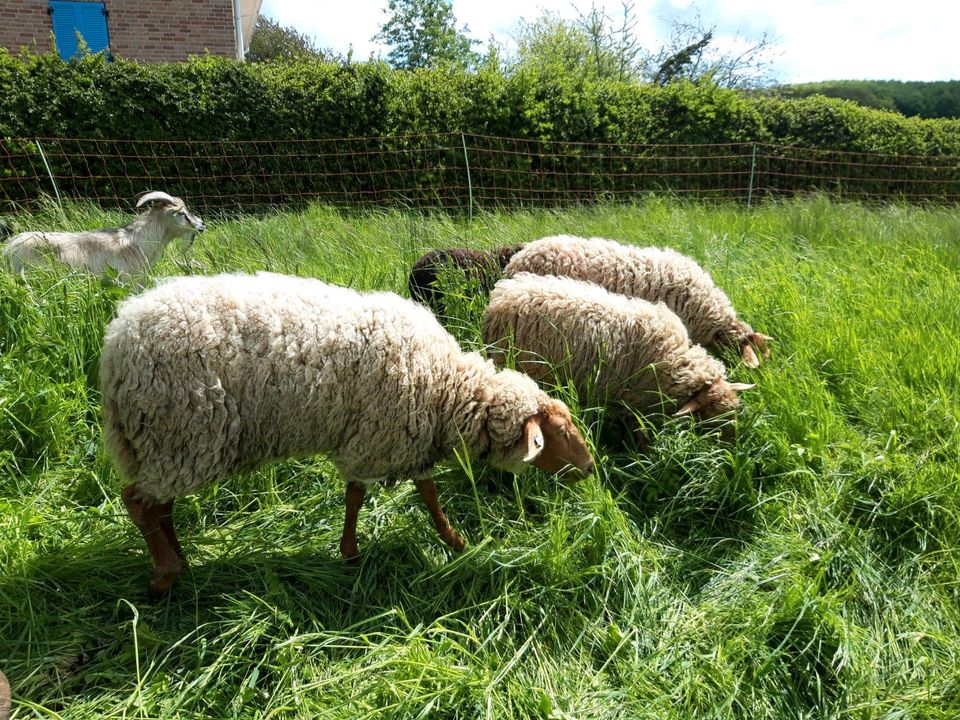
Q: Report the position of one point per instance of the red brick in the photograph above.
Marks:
(159, 31)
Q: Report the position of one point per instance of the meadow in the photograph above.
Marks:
(809, 568)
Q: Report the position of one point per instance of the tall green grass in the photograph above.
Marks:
(809, 569)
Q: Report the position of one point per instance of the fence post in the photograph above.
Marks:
(753, 169)
(49, 174)
(466, 162)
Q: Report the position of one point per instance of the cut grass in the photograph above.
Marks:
(809, 569)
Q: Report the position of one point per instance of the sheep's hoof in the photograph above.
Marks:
(162, 582)
(159, 587)
(455, 541)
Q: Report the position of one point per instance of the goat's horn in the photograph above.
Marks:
(157, 196)
(688, 407)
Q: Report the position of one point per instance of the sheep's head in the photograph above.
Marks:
(550, 441)
(505, 253)
(717, 398)
(743, 336)
(173, 213)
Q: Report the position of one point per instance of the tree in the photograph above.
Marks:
(423, 33)
(273, 41)
(614, 51)
(595, 47)
(691, 53)
(680, 62)
(588, 48)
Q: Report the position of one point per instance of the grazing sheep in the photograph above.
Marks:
(202, 377)
(618, 349)
(654, 274)
(129, 251)
(4, 697)
(476, 265)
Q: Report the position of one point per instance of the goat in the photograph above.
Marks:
(128, 251)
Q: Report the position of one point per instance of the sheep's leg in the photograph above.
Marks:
(640, 437)
(428, 491)
(146, 516)
(348, 542)
(165, 511)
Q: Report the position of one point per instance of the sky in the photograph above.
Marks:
(813, 40)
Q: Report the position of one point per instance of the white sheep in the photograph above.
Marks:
(654, 274)
(4, 697)
(202, 377)
(128, 251)
(619, 350)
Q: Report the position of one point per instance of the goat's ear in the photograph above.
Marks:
(532, 438)
(155, 196)
(740, 387)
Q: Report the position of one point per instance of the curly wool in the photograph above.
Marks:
(616, 349)
(650, 273)
(4, 697)
(205, 376)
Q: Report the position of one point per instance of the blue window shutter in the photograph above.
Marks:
(87, 18)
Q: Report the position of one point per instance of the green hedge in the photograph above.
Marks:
(277, 105)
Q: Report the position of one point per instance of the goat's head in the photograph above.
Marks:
(173, 212)
(551, 442)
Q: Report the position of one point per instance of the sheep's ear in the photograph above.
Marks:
(690, 406)
(155, 196)
(760, 340)
(740, 387)
(750, 358)
(532, 438)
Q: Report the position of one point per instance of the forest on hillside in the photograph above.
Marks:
(913, 99)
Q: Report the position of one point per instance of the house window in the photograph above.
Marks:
(89, 19)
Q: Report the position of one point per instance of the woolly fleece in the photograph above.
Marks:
(616, 349)
(205, 376)
(650, 273)
(4, 697)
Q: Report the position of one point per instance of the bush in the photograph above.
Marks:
(275, 124)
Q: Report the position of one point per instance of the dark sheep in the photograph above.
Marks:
(480, 266)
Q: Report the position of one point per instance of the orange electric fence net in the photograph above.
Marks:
(452, 171)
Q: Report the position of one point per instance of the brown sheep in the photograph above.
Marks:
(479, 266)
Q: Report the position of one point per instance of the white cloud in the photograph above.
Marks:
(336, 25)
(858, 39)
(814, 39)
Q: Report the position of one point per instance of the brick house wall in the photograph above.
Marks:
(145, 30)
